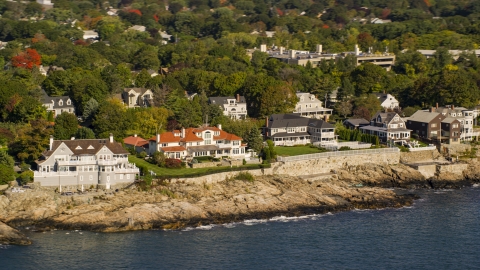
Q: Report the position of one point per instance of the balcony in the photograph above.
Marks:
(126, 170)
(76, 162)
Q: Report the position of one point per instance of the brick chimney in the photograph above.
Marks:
(238, 98)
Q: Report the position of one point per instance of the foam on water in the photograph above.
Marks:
(205, 227)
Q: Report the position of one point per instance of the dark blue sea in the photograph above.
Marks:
(440, 231)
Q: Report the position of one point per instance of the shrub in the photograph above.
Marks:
(245, 176)
(244, 162)
(173, 163)
(404, 148)
(26, 177)
(142, 155)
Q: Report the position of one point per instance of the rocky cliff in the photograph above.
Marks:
(175, 205)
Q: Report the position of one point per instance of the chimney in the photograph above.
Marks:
(436, 105)
(263, 47)
(135, 135)
(453, 107)
(238, 98)
(72, 138)
(183, 132)
(111, 138)
(158, 137)
(319, 48)
(293, 53)
(432, 109)
(282, 49)
(357, 50)
(51, 142)
(219, 126)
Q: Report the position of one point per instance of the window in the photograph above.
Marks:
(290, 130)
(236, 142)
(434, 125)
(207, 142)
(60, 103)
(69, 102)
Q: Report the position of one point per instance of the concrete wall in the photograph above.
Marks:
(455, 149)
(452, 168)
(427, 170)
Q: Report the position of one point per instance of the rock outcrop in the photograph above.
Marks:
(172, 205)
(11, 236)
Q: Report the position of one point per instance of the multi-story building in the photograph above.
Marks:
(57, 105)
(293, 129)
(387, 126)
(234, 107)
(195, 142)
(97, 162)
(310, 106)
(137, 97)
(465, 116)
(294, 57)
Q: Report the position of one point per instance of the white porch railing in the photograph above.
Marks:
(76, 162)
(49, 174)
(291, 143)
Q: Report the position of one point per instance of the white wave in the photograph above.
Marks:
(476, 185)
(250, 222)
(206, 227)
(229, 225)
(187, 229)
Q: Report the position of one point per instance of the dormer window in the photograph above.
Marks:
(69, 102)
(60, 103)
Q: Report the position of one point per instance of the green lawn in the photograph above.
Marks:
(186, 172)
(285, 151)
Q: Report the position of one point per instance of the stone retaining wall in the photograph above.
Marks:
(303, 167)
(457, 168)
(413, 157)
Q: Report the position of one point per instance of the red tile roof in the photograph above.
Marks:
(191, 136)
(135, 141)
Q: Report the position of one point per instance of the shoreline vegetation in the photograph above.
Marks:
(175, 205)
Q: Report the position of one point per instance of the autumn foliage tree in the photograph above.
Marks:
(27, 59)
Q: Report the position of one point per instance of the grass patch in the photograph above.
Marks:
(286, 151)
(245, 176)
(189, 172)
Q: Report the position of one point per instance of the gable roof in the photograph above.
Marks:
(87, 146)
(424, 117)
(46, 99)
(139, 90)
(385, 117)
(191, 136)
(135, 141)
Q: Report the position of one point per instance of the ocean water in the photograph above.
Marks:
(440, 231)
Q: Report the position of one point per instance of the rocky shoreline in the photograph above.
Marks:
(177, 205)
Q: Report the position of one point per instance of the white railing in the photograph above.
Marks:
(129, 170)
(339, 154)
(224, 145)
(40, 174)
(108, 162)
(291, 143)
(76, 162)
(426, 148)
(352, 145)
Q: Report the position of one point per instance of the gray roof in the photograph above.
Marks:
(48, 100)
(423, 117)
(382, 97)
(449, 120)
(386, 117)
(87, 146)
(224, 100)
(139, 90)
(357, 121)
(295, 120)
